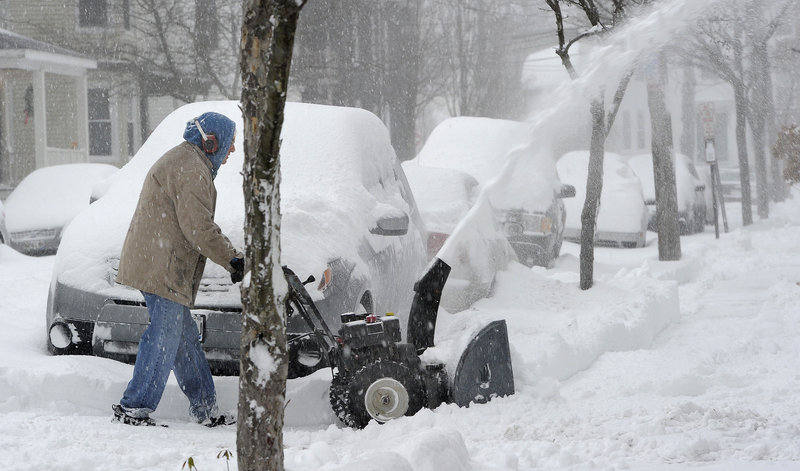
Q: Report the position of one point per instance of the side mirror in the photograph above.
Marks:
(391, 226)
(567, 191)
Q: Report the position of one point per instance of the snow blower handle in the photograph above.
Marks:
(425, 306)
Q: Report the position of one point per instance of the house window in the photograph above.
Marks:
(92, 13)
(99, 122)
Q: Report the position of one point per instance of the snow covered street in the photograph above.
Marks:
(662, 365)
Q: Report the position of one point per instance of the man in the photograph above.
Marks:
(171, 235)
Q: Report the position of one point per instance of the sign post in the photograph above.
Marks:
(708, 119)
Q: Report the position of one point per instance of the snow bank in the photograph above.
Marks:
(557, 330)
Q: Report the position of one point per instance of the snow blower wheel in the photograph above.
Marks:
(382, 391)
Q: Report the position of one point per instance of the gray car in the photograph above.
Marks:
(348, 218)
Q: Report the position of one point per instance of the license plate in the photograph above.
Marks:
(200, 320)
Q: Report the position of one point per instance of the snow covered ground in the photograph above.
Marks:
(662, 365)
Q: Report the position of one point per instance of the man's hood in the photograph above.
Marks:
(212, 123)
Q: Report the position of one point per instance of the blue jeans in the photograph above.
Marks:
(170, 342)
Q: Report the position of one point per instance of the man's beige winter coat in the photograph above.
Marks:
(173, 230)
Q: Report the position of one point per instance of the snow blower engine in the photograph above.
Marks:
(377, 376)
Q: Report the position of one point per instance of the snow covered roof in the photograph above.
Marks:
(22, 52)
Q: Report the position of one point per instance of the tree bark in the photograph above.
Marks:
(594, 189)
(268, 30)
(688, 144)
(740, 101)
(758, 123)
(669, 241)
(403, 32)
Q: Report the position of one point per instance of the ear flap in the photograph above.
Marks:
(210, 144)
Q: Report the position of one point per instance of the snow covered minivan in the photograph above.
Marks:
(341, 187)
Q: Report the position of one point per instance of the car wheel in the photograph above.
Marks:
(556, 249)
(305, 357)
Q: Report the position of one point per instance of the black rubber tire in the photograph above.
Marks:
(347, 395)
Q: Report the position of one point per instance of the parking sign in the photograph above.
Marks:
(708, 119)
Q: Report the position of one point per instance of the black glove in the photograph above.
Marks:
(238, 270)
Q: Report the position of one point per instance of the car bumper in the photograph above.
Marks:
(620, 239)
(43, 242)
(112, 328)
(533, 249)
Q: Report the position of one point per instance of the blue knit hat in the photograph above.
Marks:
(212, 123)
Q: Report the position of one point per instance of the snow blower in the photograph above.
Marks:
(378, 377)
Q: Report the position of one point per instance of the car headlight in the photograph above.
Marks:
(513, 228)
(546, 224)
(518, 223)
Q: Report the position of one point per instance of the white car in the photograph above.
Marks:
(622, 217)
(527, 204)
(348, 218)
(690, 188)
(444, 197)
(46, 200)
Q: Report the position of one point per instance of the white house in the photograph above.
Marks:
(44, 107)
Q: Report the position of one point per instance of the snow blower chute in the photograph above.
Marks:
(377, 376)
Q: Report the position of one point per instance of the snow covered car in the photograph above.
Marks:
(348, 218)
(622, 218)
(690, 191)
(527, 205)
(46, 200)
(444, 196)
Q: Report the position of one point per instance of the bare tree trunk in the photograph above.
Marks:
(594, 188)
(760, 157)
(268, 30)
(688, 143)
(742, 105)
(740, 100)
(758, 103)
(669, 241)
(403, 33)
(777, 187)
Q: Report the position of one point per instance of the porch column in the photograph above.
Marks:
(39, 119)
(81, 83)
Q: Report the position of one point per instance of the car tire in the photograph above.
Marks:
(556, 250)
